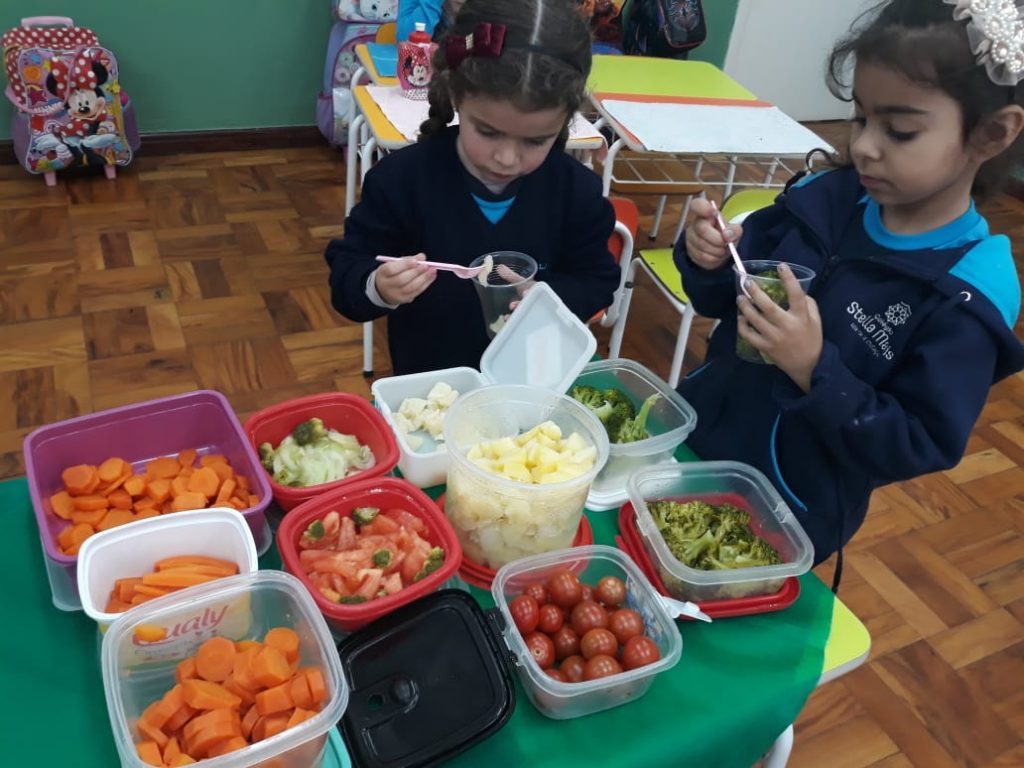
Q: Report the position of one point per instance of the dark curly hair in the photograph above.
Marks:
(544, 62)
(922, 41)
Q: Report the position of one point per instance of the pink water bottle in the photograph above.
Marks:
(414, 67)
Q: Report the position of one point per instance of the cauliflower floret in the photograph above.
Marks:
(433, 422)
(412, 407)
(442, 395)
(404, 424)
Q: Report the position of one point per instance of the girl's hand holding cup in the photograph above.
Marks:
(399, 282)
(704, 243)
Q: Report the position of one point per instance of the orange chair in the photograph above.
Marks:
(620, 244)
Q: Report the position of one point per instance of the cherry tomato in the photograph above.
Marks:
(572, 668)
(556, 674)
(625, 623)
(588, 592)
(601, 666)
(538, 592)
(566, 642)
(598, 642)
(550, 618)
(639, 651)
(564, 589)
(541, 648)
(611, 591)
(525, 613)
(587, 615)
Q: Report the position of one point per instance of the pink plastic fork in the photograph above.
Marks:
(463, 272)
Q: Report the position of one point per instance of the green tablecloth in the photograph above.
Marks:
(739, 684)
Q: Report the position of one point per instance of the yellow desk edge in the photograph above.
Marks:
(381, 127)
(848, 643)
(363, 54)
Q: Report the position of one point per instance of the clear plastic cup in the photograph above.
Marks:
(503, 284)
(765, 274)
(499, 520)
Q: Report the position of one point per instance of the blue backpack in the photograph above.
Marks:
(663, 28)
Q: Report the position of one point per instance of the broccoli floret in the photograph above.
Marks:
(364, 515)
(315, 530)
(594, 399)
(267, 457)
(632, 430)
(435, 557)
(382, 558)
(351, 599)
(617, 397)
(309, 432)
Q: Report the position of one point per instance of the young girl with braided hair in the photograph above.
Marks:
(514, 71)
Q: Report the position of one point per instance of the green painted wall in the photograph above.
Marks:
(720, 15)
(194, 65)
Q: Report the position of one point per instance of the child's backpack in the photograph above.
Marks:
(664, 28)
(357, 22)
(69, 107)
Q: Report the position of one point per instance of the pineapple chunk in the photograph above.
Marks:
(551, 430)
(516, 471)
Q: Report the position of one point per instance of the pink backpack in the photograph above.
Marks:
(69, 107)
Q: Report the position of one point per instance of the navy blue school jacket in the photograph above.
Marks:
(420, 199)
(916, 328)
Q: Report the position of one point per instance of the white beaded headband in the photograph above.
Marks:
(995, 29)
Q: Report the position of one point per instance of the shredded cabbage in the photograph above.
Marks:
(330, 457)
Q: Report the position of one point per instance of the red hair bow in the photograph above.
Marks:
(485, 41)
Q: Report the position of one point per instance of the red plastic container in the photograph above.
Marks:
(347, 413)
(138, 433)
(383, 493)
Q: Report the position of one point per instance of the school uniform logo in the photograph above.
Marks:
(877, 329)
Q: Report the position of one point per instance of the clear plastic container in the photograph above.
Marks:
(202, 420)
(499, 520)
(670, 422)
(562, 701)
(720, 482)
(240, 608)
(132, 550)
(542, 345)
(759, 271)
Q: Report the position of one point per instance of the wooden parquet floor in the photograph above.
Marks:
(206, 270)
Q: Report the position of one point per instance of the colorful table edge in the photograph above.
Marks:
(366, 60)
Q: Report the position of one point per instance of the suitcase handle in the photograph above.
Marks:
(46, 21)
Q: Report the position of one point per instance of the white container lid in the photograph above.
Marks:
(542, 345)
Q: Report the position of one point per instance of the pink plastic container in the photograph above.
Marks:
(138, 433)
(349, 414)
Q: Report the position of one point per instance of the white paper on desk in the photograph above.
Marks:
(406, 115)
(713, 129)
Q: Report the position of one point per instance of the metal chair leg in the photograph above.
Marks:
(778, 755)
(368, 349)
(680, 352)
(657, 217)
(615, 344)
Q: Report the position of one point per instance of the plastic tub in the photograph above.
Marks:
(542, 345)
(137, 433)
(240, 608)
(384, 493)
(499, 520)
(670, 422)
(720, 482)
(426, 465)
(562, 701)
(348, 414)
(132, 550)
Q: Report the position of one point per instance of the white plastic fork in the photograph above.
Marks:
(464, 272)
(732, 249)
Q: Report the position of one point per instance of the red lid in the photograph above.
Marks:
(420, 35)
(481, 576)
(347, 413)
(630, 543)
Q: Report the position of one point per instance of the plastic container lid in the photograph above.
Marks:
(426, 683)
(543, 344)
(420, 34)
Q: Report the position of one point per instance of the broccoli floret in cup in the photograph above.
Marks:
(775, 291)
